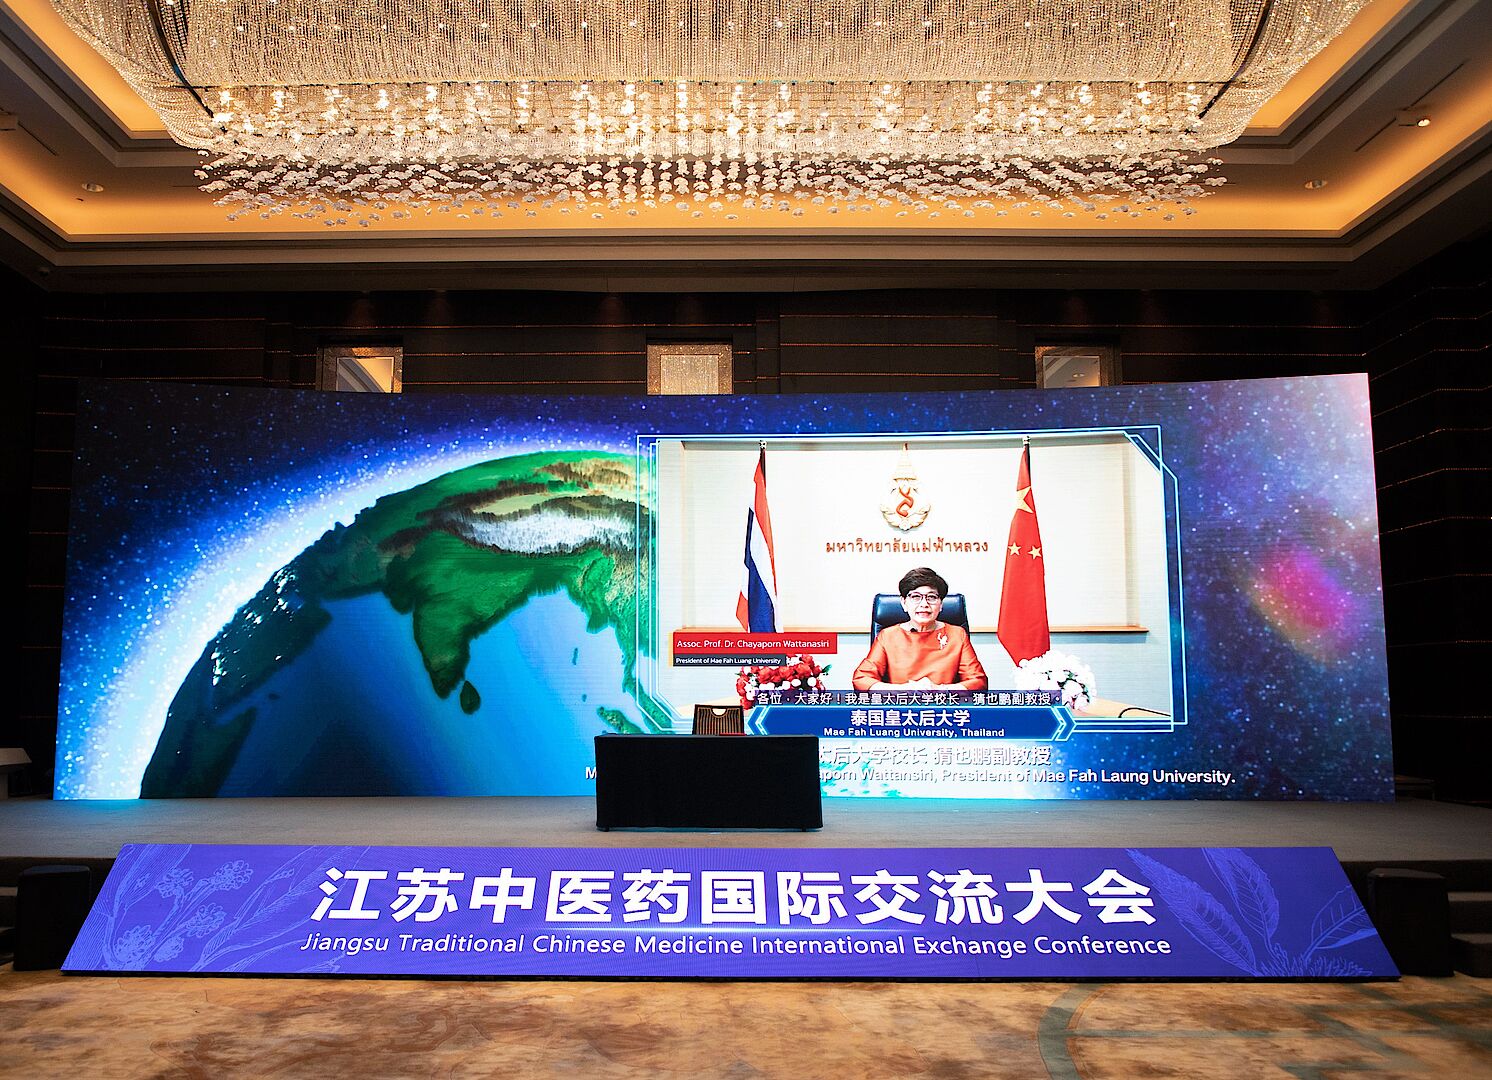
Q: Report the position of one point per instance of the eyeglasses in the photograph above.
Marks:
(924, 598)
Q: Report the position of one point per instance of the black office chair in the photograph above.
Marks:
(886, 611)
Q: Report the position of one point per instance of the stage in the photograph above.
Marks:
(395, 1027)
(1410, 831)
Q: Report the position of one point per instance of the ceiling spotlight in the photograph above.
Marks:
(1315, 185)
(1412, 118)
(91, 186)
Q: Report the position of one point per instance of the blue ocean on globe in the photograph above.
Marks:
(355, 712)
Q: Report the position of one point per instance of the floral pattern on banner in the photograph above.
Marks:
(224, 921)
(1245, 935)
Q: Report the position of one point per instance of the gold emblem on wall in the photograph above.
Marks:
(905, 507)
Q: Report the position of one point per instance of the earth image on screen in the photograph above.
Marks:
(468, 636)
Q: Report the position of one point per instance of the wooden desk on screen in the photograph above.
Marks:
(708, 782)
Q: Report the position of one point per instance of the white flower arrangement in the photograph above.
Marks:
(1059, 673)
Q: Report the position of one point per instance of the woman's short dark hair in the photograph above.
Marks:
(919, 577)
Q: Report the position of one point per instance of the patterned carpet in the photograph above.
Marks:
(67, 1026)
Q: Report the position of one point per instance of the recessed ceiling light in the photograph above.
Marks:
(1423, 121)
(1315, 185)
(91, 186)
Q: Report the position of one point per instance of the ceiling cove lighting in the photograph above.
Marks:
(353, 110)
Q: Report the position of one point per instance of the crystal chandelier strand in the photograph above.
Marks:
(538, 121)
(312, 42)
(1162, 185)
(855, 102)
(296, 42)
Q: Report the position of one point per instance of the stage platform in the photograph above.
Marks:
(1410, 831)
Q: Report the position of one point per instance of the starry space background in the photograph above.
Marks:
(187, 499)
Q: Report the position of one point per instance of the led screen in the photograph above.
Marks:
(1170, 591)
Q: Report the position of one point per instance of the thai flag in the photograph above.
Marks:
(756, 607)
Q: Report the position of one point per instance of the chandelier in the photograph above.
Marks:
(352, 110)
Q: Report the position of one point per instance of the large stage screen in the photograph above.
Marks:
(1153, 592)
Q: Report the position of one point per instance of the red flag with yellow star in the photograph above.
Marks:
(1024, 630)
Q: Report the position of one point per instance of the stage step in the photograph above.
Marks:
(1413, 787)
(1472, 954)
(1471, 912)
(1461, 875)
(7, 921)
(11, 867)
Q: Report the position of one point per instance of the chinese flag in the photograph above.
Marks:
(1024, 630)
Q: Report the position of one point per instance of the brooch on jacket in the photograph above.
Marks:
(942, 641)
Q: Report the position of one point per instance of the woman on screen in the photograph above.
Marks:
(922, 653)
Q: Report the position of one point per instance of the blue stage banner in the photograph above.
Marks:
(745, 913)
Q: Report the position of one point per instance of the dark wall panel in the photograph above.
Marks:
(28, 721)
(1428, 361)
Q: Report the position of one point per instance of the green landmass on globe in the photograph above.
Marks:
(458, 553)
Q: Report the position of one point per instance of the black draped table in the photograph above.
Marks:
(708, 782)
